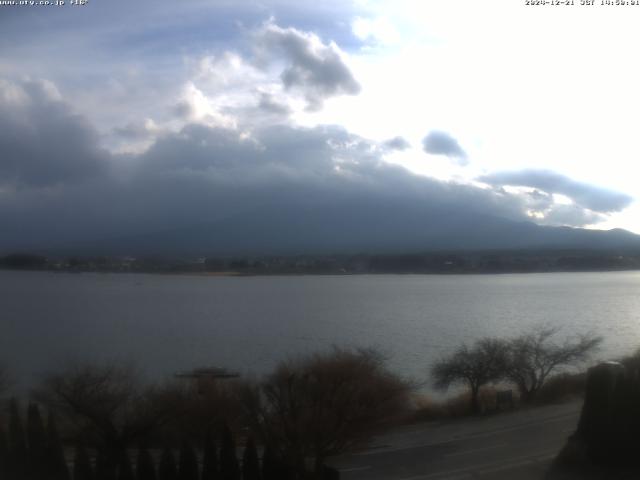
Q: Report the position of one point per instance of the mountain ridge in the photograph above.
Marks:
(385, 229)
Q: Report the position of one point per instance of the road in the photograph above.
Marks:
(519, 444)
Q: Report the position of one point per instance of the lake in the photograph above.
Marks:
(167, 323)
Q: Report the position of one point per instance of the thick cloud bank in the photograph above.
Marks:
(42, 143)
(58, 187)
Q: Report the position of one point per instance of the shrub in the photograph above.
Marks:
(145, 468)
(188, 464)
(427, 409)
(229, 468)
(562, 387)
(125, 471)
(250, 462)
(324, 404)
(82, 465)
(210, 458)
(167, 469)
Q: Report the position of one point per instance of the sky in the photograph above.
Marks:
(120, 118)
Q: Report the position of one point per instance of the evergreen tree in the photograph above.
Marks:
(125, 471)
(56, 462)
(269, 464)
(17, 443)
(36, 440)
(210, 458)
(4, 454)
(145, 469)
(17, 449)
(105, 470)
(167, 469)
(273, 466)
(82, 465)
(250, 462)
(229, 469)
(188, 465)
(285, 471)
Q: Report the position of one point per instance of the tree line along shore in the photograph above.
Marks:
(510, 261)
(105, 422)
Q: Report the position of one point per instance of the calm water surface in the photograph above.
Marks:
(169, 323)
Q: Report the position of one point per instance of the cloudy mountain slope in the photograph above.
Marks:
(359, 229)
(275, 188)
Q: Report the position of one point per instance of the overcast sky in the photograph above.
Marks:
(121, 117)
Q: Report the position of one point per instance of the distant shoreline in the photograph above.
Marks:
(315, 274)
(426, 263)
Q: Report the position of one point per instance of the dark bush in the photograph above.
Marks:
(324, 404)
(145, 468)
(250, 462)
(167, 469)
(210, 469)
(188, 463)
(125, 470)
(229, 468)
(82, 469)
(562, 387)
(56, 462)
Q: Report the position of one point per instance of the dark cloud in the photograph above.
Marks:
(441, 143)
(396, 143)
(182, 109)
(311, 67)
(298, 184)
(42, 143)
(585, 195)
(137, 130)
(269, 104)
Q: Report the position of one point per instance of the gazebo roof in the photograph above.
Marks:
(208, 372)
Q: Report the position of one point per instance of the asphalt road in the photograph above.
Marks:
(515, 445)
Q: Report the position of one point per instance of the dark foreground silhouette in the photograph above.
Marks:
(605, 443)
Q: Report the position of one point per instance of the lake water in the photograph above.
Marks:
(170, 323)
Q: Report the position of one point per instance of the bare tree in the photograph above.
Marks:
(474, 367)
(324, 404)
(106, 403)
(197, 410)
(534, 356)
